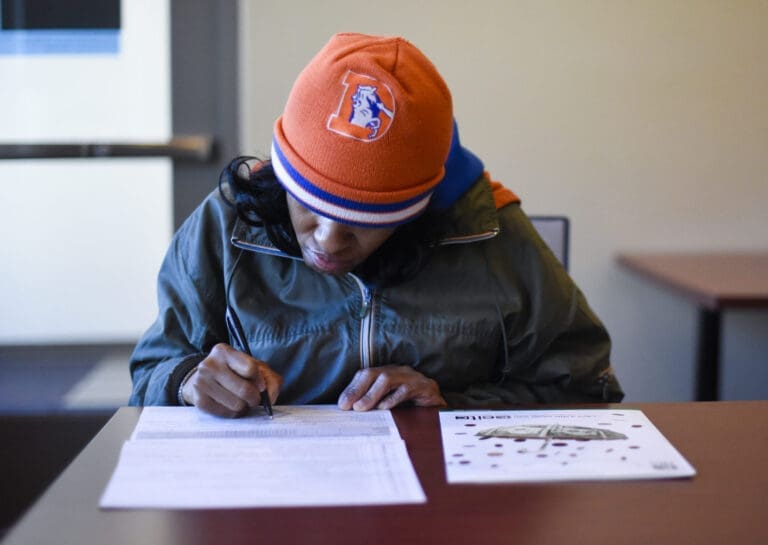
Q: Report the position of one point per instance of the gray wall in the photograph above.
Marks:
(644, 121)
(204, 87)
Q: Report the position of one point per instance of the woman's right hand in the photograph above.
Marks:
(229, 382)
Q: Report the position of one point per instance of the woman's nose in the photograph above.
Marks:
(332, 237)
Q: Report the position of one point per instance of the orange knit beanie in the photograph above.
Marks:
(365, 132)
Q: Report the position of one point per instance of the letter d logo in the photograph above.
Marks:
(366, 109)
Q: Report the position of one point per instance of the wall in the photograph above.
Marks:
(644, 121)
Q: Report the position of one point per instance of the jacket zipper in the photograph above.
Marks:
(366, 323)
(469, 238)
(366, 310)
(261, 249)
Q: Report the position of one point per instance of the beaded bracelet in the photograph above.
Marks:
(179, 396)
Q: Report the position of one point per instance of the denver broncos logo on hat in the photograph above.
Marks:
(366, 109)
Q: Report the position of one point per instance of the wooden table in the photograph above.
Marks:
(723, 504)
(715, 282)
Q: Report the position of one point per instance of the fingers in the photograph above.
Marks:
(229, 382)
(388, 386)
(239, 363)
(356, 389)
(273, 381)
(210, 396)
(402, 394)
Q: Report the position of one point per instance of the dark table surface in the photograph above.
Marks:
(725, 503)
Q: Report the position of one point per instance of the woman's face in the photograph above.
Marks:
(330, 247)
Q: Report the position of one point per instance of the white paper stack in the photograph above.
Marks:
(180, 457)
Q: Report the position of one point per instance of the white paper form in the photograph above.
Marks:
(297, 421)
(556, 445)
(181, 458)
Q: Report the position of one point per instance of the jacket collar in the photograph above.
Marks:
(473, 218)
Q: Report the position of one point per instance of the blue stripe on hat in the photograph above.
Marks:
(336, 200)
(340, 209)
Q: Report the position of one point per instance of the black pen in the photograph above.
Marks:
(238, 334)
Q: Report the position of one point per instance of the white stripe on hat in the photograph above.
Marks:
(336, 212)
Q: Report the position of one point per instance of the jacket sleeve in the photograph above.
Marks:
(555, 349)
(191, 303)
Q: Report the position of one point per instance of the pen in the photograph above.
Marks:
(238, 334)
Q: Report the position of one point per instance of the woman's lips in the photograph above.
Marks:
(326, 263)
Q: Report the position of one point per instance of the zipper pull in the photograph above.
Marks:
(367, 297)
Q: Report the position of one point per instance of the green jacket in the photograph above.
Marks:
(492, 317)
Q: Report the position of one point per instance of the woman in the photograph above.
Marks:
(371, 262)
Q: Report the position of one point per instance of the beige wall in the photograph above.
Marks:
(646, 122)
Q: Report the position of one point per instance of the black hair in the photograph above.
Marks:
(260, 200)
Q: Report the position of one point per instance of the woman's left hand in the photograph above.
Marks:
(387, 386)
